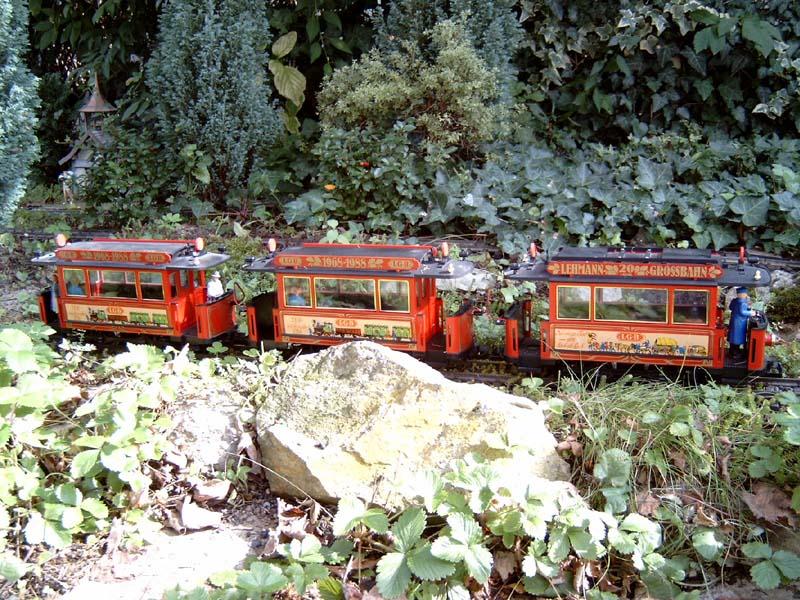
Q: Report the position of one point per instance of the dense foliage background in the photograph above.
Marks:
(608, 121)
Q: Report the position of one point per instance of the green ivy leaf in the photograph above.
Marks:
(753, 210)
(761, 33)
(393, 574)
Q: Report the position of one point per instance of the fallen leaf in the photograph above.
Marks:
(678, 459)
(174, 521)
(505, 563)
(215, 490)
(722, 467)
(194, 517)
(374, 594)
(176, 458)
(646, 503)
(114, 536)
(292, 521)
(352, 592)
(247, 446)
(704, 519)
(770, 503)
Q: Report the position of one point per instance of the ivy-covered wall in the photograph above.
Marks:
(18, 107)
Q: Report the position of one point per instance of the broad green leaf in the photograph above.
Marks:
(796, 499)
(337, 552)
(12, 569)
(284, 44)
(289, 82)
(788, 563)
(428, 567)
(707, 544)
(38, 530)
(757, 550)
(613, 467)
(679, 429)
(408, 528)
(16, 349)
(348, 513)
(752, 210)
(330, 589)
(71, 517)
(261, 579)
(67, 493)
(558, 545)
(765, 575)
(448, 549)
(761, 33)
(340, 44)
(376, 519)
(83, 462)
(393, 574)
(464, 528)
(479, 562)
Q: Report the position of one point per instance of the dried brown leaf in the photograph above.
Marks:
(215, 490)
(505, 563)
(248, 447)
(678, 459)
(174, 521)
(770, 503)
(706, 519)
(646, 503)
(352, 591)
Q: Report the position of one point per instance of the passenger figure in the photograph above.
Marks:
(75, 288)
(296, 297)
(214, 288)
(54, 294)
(737, 329)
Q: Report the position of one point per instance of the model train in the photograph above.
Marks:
(645, 306)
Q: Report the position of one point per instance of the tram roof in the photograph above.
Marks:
(173, 255)
(662, 266)
(361, 259)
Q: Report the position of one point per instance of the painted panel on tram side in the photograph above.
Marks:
(119, 315)
(631, 342)
(331, 326)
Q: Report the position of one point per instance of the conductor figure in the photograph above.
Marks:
(215, 289)
(740, 314)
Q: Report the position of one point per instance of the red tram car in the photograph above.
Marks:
(145, 287)
(637, 306)
(332, 293)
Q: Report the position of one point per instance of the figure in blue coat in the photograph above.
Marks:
(740, 314)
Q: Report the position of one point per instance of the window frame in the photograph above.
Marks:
(285, 295)
(705, 291)
(558, 302)
(86, 286)
(102, 270)
(408, 296)
(369, 279)
(595, 303)
(140, 289)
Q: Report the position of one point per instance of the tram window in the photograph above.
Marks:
(691, 306)
(75, 282)
(152, 286)
(630, 304)
(394, 296)
(113, 284)
(297, 291)
(356, 294)
(573, 302)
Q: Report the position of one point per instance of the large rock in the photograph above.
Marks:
(362, 419)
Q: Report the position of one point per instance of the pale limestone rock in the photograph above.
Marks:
(362, 419)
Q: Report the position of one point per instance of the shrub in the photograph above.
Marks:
(451, 97)
(207, 76)
(18, 106)
(785, 305)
